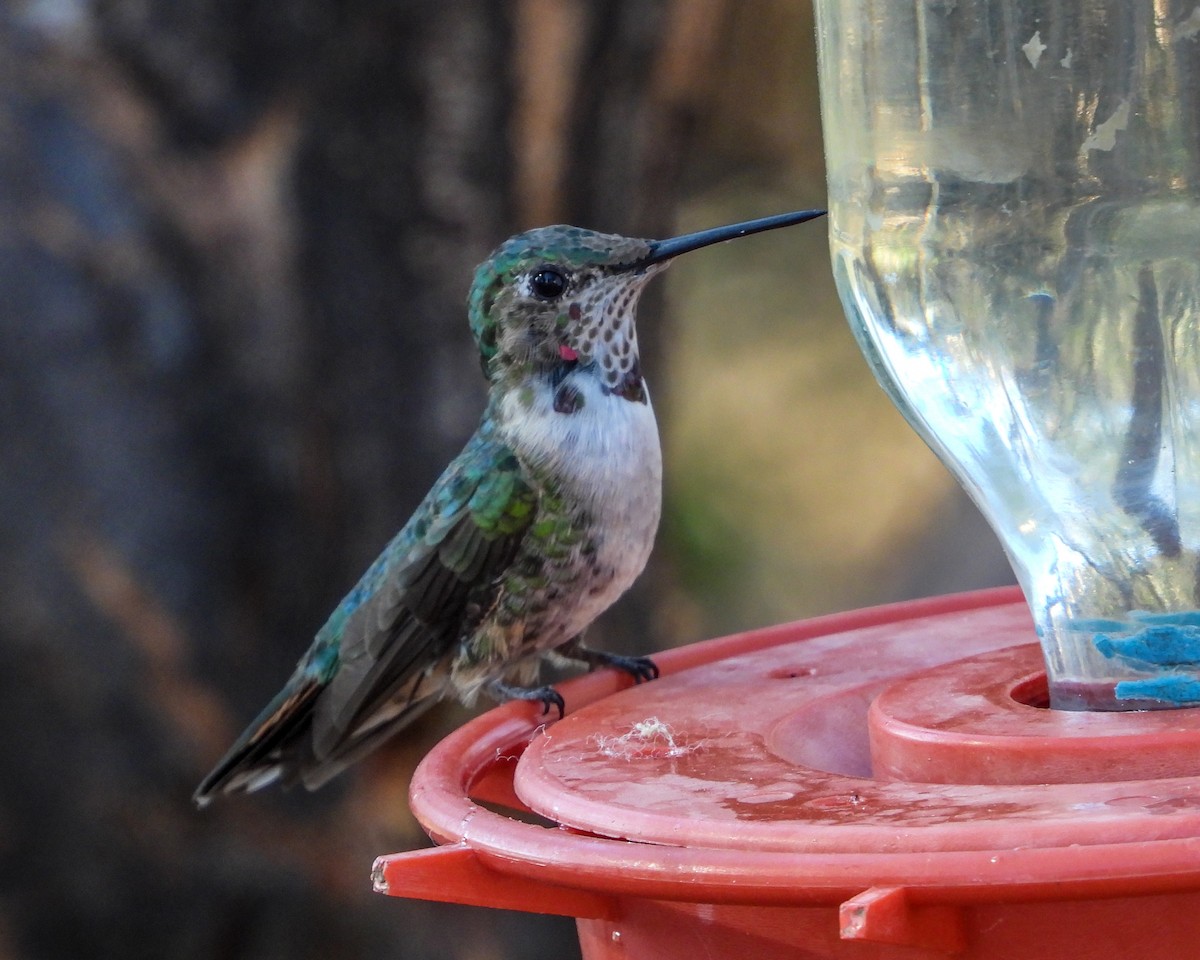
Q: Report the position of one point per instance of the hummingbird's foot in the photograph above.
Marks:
(642, 669)
(548, 696)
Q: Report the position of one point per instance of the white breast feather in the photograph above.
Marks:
(606, 453)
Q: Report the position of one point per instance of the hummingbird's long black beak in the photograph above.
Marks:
(661, 250)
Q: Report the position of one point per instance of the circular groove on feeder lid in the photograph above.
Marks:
(771, 751)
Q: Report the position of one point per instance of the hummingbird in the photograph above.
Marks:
(543, 520)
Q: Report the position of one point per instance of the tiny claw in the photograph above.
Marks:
(642, 669)
(547, 696)
(552, 698)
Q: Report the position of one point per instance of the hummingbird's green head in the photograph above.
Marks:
(560, 294)
(564, 295)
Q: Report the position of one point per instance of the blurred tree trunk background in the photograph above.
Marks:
(235, 240)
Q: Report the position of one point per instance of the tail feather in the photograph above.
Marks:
(281, 744)
(260, 754)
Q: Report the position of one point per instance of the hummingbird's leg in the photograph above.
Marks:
(641, 669)
(548, 696)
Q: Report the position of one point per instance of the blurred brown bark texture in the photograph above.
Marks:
(235, 240)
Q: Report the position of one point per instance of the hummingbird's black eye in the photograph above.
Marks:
(548, 284)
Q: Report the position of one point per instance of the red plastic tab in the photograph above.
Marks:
(885, 915)
(455, 875)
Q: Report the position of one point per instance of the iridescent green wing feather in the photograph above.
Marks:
(425, 593)
(379, 660)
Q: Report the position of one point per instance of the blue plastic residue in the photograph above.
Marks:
(1162, 644)
(1176, 688)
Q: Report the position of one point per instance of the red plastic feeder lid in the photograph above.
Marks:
(770, 750)
(897, 746)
